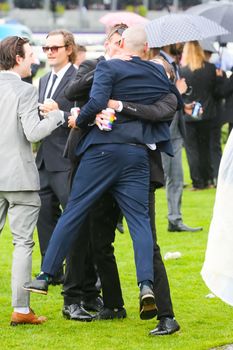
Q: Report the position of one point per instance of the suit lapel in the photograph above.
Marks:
(63, 82)
(43, 85)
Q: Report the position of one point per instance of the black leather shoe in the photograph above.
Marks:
(110, 314)
(120, 227)
(166, 326)
(180, 227)
(56, 280)
(147, 307)
(95, 304)
(76, 312)
(37, 286)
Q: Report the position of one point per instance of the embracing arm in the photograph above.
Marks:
(79, 88)
(162, 110)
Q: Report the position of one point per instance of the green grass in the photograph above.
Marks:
(205, 323)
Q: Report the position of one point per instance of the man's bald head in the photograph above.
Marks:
(134, 40)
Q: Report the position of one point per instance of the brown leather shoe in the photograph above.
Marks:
(31, 318)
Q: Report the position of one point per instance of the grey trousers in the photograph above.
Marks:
(23, 210)
(173, 172)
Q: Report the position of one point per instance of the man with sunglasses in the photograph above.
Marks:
(19, 180)
(54, 169)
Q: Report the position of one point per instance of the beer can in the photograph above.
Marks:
(196, 109)
(75, 111)
(108, 126)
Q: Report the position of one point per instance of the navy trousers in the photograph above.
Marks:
(124, 170)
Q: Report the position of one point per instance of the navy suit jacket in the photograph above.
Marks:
(133, 81)
(52, 147)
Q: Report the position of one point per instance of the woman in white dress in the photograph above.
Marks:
(217, 270)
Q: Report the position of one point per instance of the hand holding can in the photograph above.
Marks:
(105, 119)
(72, 119)
(48, 106)
(196, 110)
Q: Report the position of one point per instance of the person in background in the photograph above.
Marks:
(201, 75)
(19, 180)
(80, 55)
(217, 121)
(173, 165)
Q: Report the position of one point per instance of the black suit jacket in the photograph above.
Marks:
(78, 90)
(225, 90)
(52, 147)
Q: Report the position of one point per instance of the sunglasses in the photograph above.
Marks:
(20, 38)
(53, 49)
(119, 31)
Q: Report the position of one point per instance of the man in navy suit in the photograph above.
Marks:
(53, 168)
(116, 161)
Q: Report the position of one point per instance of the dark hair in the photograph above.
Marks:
(10, 47)
(68, 41)
(117, 28)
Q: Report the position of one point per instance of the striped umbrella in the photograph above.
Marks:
(176, 28)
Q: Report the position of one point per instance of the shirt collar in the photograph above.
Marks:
(11, 72)
(62, 71)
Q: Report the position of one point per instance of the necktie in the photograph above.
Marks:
(51, 88)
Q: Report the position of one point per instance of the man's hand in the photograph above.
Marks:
(72, 122)
(102, 119)
(188, 108)
(45, 108)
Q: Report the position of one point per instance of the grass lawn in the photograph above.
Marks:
(205, 323)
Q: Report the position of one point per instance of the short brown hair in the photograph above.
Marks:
(117, 28)
(68, 41)
(10, 47)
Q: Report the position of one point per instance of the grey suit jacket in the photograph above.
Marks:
(20, 125)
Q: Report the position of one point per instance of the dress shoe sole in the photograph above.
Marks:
(148, 309)
(38, 291)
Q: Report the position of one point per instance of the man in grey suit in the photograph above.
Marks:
(173, 169)
(19, 180)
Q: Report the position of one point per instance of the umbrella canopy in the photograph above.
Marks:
(129, 18)
(14, 29)
(208, 45)
(175, 28)
(220, 12)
